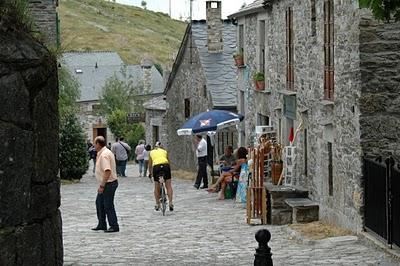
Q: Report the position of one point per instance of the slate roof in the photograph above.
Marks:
(82, 65)
(219, 68)
(156, 103)
(250, 8)
(90, 58)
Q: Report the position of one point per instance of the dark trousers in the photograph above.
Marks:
(121, 166)
(105, 206)
(202, 171)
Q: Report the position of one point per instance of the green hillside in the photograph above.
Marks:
(131, 31)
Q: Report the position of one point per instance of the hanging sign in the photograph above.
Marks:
(135, 117)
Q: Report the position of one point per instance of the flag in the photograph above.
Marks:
(291, 135)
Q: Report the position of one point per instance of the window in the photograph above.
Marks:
(262, 46)
(313, 18)
(330, 169)
(241, 99)
(262, 120)
(241, 37)
(328, 50)
(96, 108)
(289, 49)
(305, 149)
(204, 90)
(187, 108)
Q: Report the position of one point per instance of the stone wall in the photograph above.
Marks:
(30, 220)
(245, 83)
(45, 17)
(188, 83)
(326, 122)
(380, 74)
(156, 118)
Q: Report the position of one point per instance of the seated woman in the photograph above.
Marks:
(230, 175)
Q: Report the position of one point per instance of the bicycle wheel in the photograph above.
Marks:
(163, 199)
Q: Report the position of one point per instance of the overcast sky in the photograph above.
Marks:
(181, 8)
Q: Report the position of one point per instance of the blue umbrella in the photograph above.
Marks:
(209, 121)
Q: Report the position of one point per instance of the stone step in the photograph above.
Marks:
(304, 210)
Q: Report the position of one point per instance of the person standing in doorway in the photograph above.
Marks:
(106, 175)
(139, 152)
(200, 145)
(121, 149)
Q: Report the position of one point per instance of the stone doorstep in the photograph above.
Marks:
(300, 202)
(295, 235)
(372, 240)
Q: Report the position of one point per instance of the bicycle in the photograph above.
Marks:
(163, 194)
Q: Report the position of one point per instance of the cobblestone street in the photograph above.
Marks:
(201, 231)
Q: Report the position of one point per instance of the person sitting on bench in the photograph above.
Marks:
(227, 160)
(230, 175)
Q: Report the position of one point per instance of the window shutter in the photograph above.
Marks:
(328, 50)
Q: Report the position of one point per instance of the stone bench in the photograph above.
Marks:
(304, 210)
(278, 212)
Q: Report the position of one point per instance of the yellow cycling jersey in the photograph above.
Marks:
(159, 156)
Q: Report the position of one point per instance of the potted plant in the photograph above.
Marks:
(238, 56)
(259, 81)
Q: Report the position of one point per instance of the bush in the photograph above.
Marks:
(17, 14)
(73, 156)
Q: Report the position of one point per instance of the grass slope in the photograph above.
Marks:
(130, 31)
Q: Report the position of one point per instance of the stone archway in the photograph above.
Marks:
(30, 220)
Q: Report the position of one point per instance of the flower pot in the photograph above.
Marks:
(239, 61)
(260, 85)
(276, 170)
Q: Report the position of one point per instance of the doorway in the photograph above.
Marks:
(101, 131)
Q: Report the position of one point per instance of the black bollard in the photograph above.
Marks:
(263, 256)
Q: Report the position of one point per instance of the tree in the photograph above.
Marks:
(115, 96)
(117, 122)
(69, 92)
(120, 96)
(120, 92)
(383, 9)
(144, 4)
(119, 126)
(73, 157)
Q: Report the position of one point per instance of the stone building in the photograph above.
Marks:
(202, 77)
(45, 16)
(332, 69)
(92, 69)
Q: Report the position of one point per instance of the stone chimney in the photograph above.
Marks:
(45, 18)
(215, 43)
(146, 65)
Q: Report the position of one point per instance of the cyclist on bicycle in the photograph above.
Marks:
(159, 165)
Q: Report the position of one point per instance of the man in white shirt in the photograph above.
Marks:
(201, 152)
